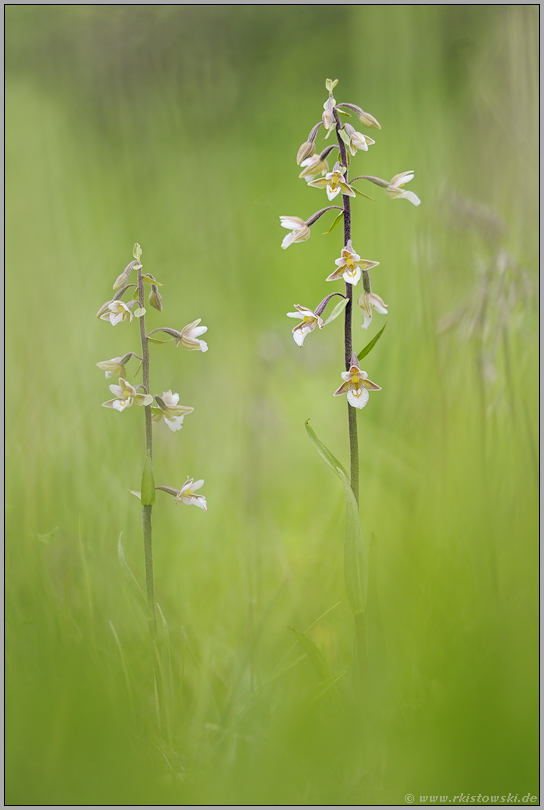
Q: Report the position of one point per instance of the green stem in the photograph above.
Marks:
(147, 510)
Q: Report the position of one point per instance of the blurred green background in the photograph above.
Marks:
(177, 126)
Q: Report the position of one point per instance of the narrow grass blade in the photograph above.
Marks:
(369, 346)
(131, 580)
(321, 691)
(319, 662)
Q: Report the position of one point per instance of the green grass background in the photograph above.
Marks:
(177, 127)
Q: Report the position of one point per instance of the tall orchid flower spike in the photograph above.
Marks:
(117, 311)
(356, 385)
(125, 396)
(350, 266)
(310, 321)
(173, 413)
(365, 302)
(187, 494)
(300, 231)
(189, 337)
(334, 182)
(313, 167)
(357, 140)
(396, 191)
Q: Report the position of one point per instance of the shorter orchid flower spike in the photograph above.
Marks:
(300, 231)
(334, 182)
(395, 188)
(187, 494)
(313, 167)
(114, 367)
(356, 140)
(350, 266)
(126, 396)
(116, 311)
(188, 337)
(356, 385)
(366, 301)
(309, 322)
(173, 413)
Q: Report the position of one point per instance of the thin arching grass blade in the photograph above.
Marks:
(131, 580)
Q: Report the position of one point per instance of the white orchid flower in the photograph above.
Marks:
(357, 140)
(113, 367)
(187, 494)
(350, 266)
(300, 232)
(396, 191)
(313, 167)
(126, 396)
(356, 385)
(115, 312)
(334, 182)
(173, 413)
(366, 301)
(189, 337)
(308, 323)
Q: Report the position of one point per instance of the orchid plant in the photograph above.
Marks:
(156, 407)
(351, 269)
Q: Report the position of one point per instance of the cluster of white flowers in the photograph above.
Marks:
(167, 405)
(350, 267)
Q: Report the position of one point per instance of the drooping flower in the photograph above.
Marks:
(187, 494)
(188, 337)
(356, 385)
(396, 191)
(313, 167)
(356, 140)
(173, 413)
(368, 120)
(309, 322)
(350, 266)
(306, 150)
(300, 231)
(113, 367)
(334, 182)
(116, 311)
(366, 301)
(126, 396)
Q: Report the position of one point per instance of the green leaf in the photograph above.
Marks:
(355, 563)
(343, 112)
(344, 135)
(360, 193)
(319, 662)
(139, 312)
(335, 223)
(355, 566)
(324, 452)
(158, 342)
(148, 483)
(150, 280)
(339, 308)
(131, 580)
(369, 346)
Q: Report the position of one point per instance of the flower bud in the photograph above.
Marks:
(121, 280)
(137, 252)
(330, 84)
(368, 120)
(306, 150)
(155, 298)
